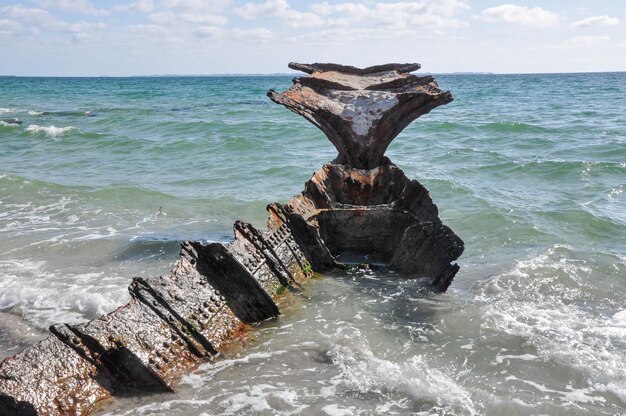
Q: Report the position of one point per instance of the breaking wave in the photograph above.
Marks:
(549, 303)
(395, 381)
(10, 123)
(50, 131)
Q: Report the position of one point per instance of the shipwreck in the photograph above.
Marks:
(358, 203)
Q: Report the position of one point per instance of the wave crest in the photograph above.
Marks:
(549, 303)
(50, 131)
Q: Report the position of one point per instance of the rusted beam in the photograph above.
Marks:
(360, 202)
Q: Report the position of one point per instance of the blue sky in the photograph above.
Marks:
(143, 37)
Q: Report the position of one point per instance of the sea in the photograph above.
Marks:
(101, 179)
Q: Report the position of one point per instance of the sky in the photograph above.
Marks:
(149, 37)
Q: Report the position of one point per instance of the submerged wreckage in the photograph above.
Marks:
(360, 203)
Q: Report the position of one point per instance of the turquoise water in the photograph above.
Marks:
(101, 178)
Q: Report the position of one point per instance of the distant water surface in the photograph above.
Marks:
(102, 178)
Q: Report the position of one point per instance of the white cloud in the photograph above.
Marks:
(19, 12)
(439, 14)
(252, 34)
(148, 30)
(19, 20)
(73, 6)
(510, 13)
(343, 36)
(218, 33)
(195, 5)
(596, 21)
(170, 18)
(282, 10)
(6, 24)
(203, 18)
(586, 40)
(79, 27)
(9, 27)
(162, 18)
(396, 15)
(81, 37)
(354, 10)
(400, 15)
(210, 32)
(141, 6)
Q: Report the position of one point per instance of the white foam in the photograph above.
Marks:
(45, 297)
(524, 357)
(363, 371)
(97, 235)
(335, 410)
(35, 113)
(8, 124)
(161, 408)
(581, 396)
(619, 318)
(211, 369)
(543, 300)
(29, 217)
(618, 390)
(50, 131)
(255, 399)
(196, 381)
(6, 110)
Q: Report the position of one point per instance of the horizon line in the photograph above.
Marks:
(283, 74)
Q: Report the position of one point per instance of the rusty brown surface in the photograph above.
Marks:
(361, 110)
(380, 213)
(360, 202)
(172, 324)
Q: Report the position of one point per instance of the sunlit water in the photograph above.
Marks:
(104, 177)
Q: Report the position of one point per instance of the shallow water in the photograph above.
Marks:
(104, 177)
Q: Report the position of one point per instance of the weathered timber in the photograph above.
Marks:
(359, 203)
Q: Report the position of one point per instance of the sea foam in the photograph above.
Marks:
(363, 371)
(543, 301)
(47, 296)
(50, 131)
(9, 123)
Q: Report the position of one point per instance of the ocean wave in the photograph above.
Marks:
(10, 122)
(515, 127)
(363, 371)
(553, 169)
(549, 302)
(50, 131)
(44, 297)
(132, 195)
(143, 248)
(61, 113)
(68, 113)
(444, 125)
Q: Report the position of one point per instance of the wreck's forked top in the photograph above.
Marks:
(361, 110)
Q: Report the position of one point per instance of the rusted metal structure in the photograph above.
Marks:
(360, 203)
